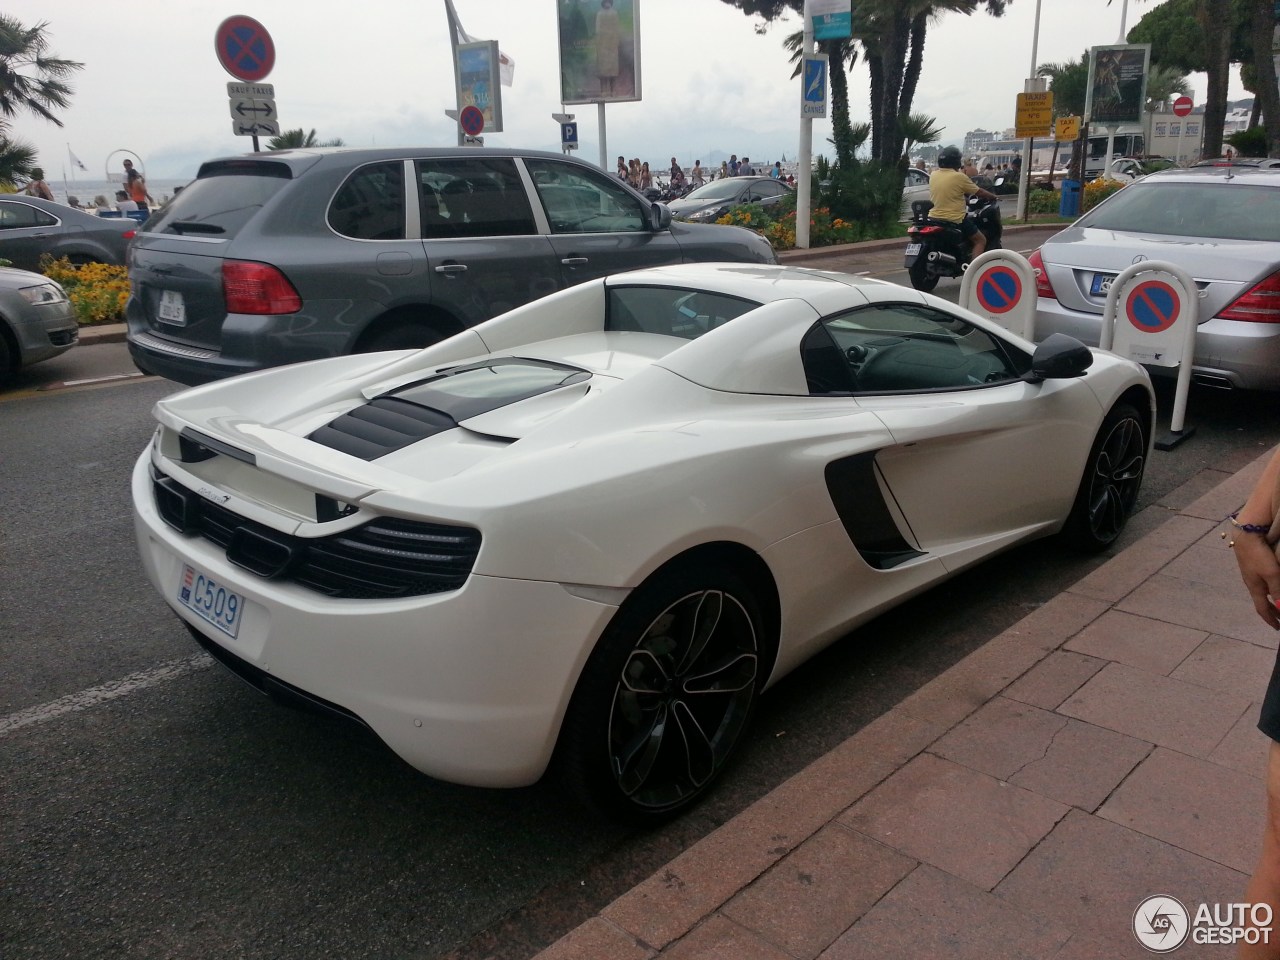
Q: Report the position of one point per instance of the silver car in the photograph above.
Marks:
(1221, 225)
(279, 257)
(37, 320)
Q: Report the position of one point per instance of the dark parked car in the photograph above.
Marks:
(36, 320)
(31, 227)
(279, 257)
(713, 200)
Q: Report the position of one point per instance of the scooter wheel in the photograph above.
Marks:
(921, 278)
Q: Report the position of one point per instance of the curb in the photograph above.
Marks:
(821, 253)
(102, 333)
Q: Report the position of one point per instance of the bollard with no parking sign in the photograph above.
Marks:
(1001, 286)
(1151, 316)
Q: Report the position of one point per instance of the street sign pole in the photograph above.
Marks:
(1032, 86)
(804, 156)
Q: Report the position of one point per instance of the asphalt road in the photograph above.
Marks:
(155, 807)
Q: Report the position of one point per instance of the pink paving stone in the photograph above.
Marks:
(1202, 606)
(819, 890)
(668, 904)
(1054, 679)
(1232, 492)
(1090, 874)
(1193, 804)
(962, 821)
(1138, 641)
(719, 938)
(1209, 561)
(594, 940)
(1245, 747)
(932, 914)
(1157, 709)
(1129, 568)
(1229, 665)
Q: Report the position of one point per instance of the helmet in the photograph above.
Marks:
(949, 157)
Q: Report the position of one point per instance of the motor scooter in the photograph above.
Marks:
(937, 248)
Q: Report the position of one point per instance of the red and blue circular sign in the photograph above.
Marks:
(245, 49)
(1153, 306)
(999, 289)
(472, 121)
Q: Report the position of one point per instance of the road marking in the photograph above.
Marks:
(80, 383)
(111, 690)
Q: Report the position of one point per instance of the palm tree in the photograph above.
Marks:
(1068, 81)
(17, 160)
(844, 54)
(299, 139)
(918, 128)
(31, 79)
(1163, 84)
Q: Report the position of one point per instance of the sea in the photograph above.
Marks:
(86, 190)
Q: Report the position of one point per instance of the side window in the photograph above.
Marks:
(473, 197)
(890, 348)
(15, 215)
(370, 205)
(582, 201)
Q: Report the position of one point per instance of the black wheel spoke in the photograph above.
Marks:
(731, 676)
(635, 762)
(703, 623)
(1117, 475)
(699, 757)
(644, 673)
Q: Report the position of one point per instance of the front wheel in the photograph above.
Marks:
(1112, 477)
(666, 696)
(921, 278)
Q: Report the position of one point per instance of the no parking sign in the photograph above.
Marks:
(1150, 321)
(1001, 286)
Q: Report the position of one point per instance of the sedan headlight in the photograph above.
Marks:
(43, 293)
(711, 213)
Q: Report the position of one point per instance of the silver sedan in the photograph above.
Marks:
(36, 320)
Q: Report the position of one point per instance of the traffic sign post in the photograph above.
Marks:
(471, 120)
(247, 52)
(813, 91)
(1182, 107)
(1151, 316)
(1001, 286)
(1034, 116)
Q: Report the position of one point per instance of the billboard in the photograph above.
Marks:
(479, 66)
(599, 50)
(1117, 89)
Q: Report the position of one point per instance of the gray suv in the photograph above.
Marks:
(273, 258)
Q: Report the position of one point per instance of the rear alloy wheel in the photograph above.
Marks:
(921, 279)
(663, 702)
(1112, 478)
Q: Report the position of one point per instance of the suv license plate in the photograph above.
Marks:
(172, 309)
(1101, 284)
(912, 249)
(210, 600)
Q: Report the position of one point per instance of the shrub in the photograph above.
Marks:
(1044, 201)
(1250, 143)
(97, 291)
(868, 194)
(1095, 191)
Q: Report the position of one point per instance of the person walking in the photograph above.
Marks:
(135, 186)
(36, 187)
(1253, 540)
(696, 176)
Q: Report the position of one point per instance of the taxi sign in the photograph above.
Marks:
(1066, 128)
(1034, 117)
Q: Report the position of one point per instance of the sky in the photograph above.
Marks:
(379, 73)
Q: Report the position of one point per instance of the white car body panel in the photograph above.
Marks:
(581, 493)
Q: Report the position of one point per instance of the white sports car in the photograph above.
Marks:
(594, 529)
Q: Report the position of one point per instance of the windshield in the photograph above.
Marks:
(1216, 210)
(716, 190)
(221, 200)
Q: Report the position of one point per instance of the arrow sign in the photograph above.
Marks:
(253, 109)
(256, 128)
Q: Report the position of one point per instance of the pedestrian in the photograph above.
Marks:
(136, 186)
(36, 187)
(776, 172)
(921, 165)
(1253, 540)
(622, 168)
(124, 204)
(970, 169)
(733, 164)
(646, 177)
(696, 176)
(745, 169)
(677, 174)
(724, 169)
(633, 172)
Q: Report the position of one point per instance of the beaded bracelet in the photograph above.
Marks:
(1259, 528)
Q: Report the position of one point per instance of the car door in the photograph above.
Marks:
(767, 193)
(25, 233)
(484, 251)
(598, 227)
(981, 457)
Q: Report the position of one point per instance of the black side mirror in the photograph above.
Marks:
(1059, 357)
(659, 216)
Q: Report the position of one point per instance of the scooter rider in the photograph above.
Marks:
(948, 188)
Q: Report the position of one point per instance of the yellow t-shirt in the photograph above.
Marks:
(947, 190)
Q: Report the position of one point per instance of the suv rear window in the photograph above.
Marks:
(221, 200)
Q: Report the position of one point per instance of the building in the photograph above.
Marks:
(975, 140)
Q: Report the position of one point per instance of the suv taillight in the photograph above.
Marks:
(1043, 287)
(259, 288)
(1259, 304)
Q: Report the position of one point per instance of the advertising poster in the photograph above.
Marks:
(479, 81)
(1117, 84)
(599, 50)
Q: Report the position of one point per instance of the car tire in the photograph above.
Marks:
(1112, 478)
(665, 697)
(921, 279)
(399, 335)
(8, 358)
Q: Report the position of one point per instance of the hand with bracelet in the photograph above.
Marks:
(1254, 549)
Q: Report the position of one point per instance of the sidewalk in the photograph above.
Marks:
(1020, 805)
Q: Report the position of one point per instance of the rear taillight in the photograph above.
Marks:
(1043, 287)
(1260, 304)
(259, 288)
(129, 234)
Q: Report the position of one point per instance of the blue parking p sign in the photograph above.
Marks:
(813, 88)
(569, 133)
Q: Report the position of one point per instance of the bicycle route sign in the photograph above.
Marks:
(244, 48)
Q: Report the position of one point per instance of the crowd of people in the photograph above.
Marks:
(639, 175)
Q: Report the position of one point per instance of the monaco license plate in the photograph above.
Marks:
(1101, 284)
(913, 249)
(172, 309)
(210, 600)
